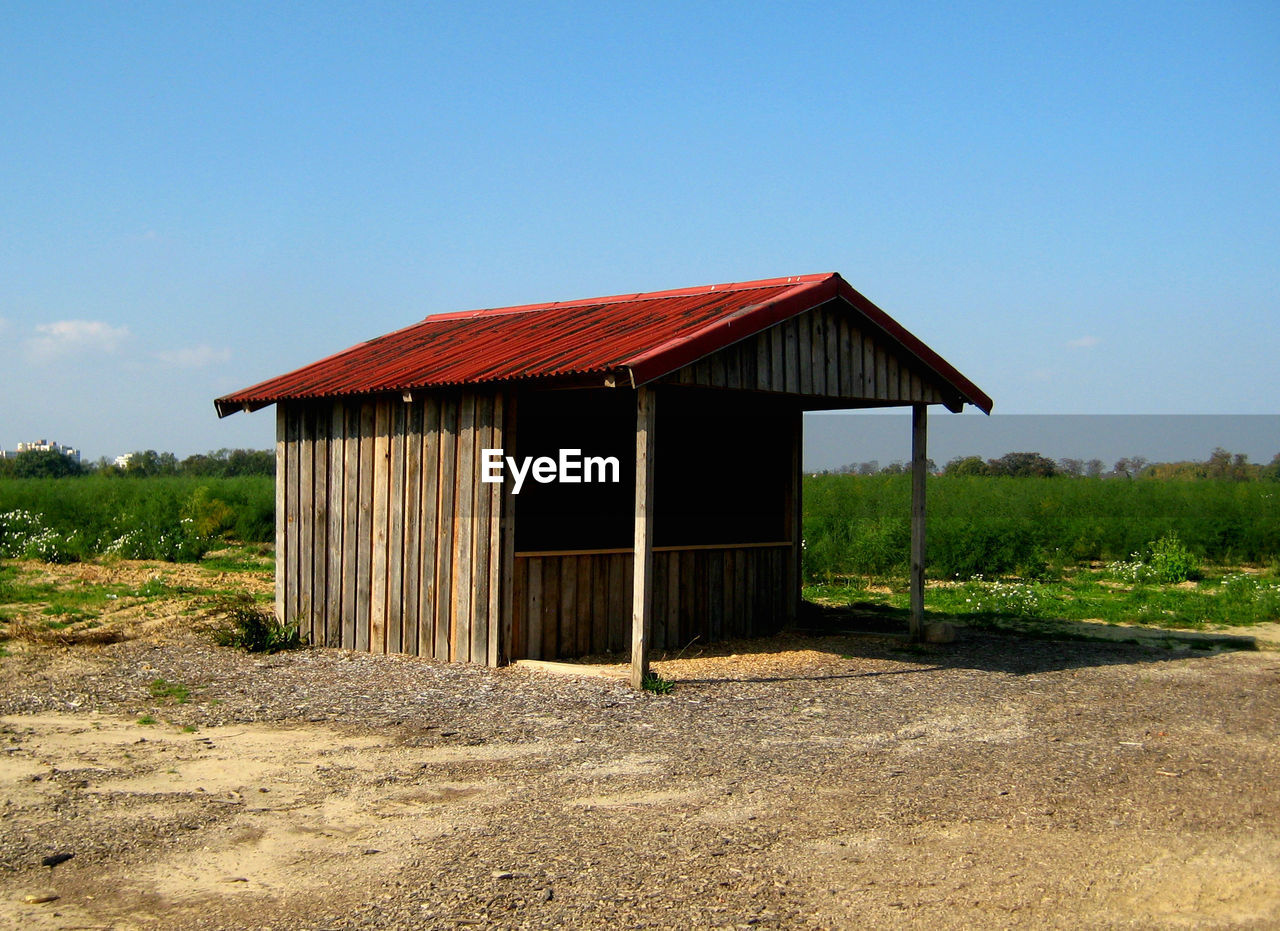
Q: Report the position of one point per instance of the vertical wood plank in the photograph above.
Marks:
(805, 351)
(337, 491)
(763, 357)
(850, 357)
(716, 366)
(412, 573)
(550, 606)
(395, 528)
(658, 630)
(446, 472)
(531, 635)
(742, 568)
(381, 527)
(868, 365)
(600, 604)
(749, 354)
(495, 522)
(882, 372)
(728, 585)
(464, 533)
(428, 542)
(479, 625)
(320, 525)
(834, 351)
(892, 378)
(671, 626)
(642, 570)
(777, 357)
(582, 607)
(352, 548)
(306, 523)
(365, 541)
(282, 516)
(567, 630)
(619, 618)
(689, 581)
(293, 468)
(515, 647)
(792, 362)
(918, 456)
(714, 623)
(507, 532)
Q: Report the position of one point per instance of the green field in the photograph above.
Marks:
(860, 525)
(1002, 551)
(174, 519)
(1032, 553)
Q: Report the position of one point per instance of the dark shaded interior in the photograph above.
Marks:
(723, 462)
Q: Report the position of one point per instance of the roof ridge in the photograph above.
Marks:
(636, 297)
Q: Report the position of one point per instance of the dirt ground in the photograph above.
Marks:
(796, 782)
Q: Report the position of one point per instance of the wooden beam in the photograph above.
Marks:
(642, 578)
(918, 438)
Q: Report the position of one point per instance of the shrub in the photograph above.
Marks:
(257, 631)
(1171, 561)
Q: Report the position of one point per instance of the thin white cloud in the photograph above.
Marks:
(194, 357)
(1084, 342)
(67, 337)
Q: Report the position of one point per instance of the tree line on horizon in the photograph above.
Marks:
(147, 463)
(1221, 466)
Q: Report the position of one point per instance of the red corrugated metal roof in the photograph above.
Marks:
(637, 337)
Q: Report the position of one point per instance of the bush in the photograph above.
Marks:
(1171, 561)
(258, 631)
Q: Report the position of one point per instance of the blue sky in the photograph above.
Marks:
(1076, 204)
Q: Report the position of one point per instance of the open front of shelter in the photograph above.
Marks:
(654, 440)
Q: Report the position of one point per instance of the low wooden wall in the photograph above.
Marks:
(570, 604)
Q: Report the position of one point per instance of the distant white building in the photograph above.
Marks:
(49, 446)
(122, 462)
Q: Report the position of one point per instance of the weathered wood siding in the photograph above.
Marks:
(822, 353)
(387, 540)
(573, 604)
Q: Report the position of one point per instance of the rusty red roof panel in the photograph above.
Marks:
(637, 336)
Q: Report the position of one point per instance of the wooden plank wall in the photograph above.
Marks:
(822, 353)
(387, 540)
(574, 604)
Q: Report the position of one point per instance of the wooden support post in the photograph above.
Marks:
(642, 577)
(918, 414)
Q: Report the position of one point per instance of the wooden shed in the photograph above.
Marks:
(681, 409)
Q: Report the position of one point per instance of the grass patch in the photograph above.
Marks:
(652, 682)
(1218, 599)
(255, 558)
(147, 720)
(174, 691)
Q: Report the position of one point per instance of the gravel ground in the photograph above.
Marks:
(799, 782)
